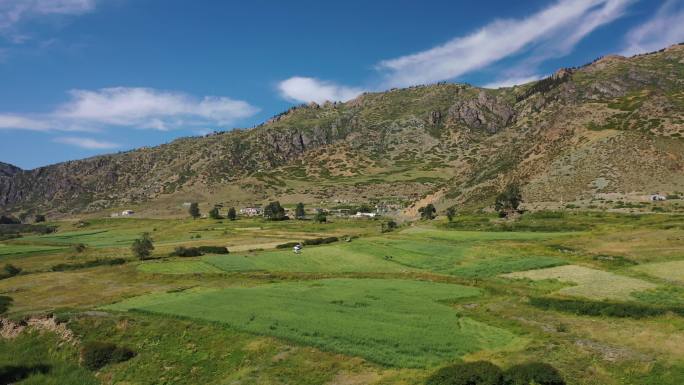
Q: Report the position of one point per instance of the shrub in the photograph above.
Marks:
(320, 241)
(427, 212)
(142, 247)
(10, 271)
(508, 200)
(78, 248)
(287, 245)
(213, 249)
(214, 213)
(320, 217)
(96, 355)
(232, 214)
(182, 251)
(536, 373)
(470, 373)
(5, 303)
(603, 308)
(39, 218)
(87, 264)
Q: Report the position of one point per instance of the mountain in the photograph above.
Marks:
(615, 125)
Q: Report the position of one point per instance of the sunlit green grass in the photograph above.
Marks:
(396, 322)
(178, 267)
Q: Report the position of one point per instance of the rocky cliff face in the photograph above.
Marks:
(572, 134)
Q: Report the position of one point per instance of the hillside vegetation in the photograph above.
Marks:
(612, 126)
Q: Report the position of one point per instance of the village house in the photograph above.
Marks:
(658, 197)
(251, 211)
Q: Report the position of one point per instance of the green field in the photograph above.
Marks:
(178, 267)
(395, 322)
(384, 308)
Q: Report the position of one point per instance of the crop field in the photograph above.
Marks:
(21, 249)
(382, 308)
(395, 322)
(670, 271)
(590, 283)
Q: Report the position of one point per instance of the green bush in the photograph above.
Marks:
(182, 251)
(5, 303)
(87, 264)
(603, 308)
(320, 241)
(96, 355)
(9, 271)
(533, 373)
(287, 245)
(470, 373)
(213, 249)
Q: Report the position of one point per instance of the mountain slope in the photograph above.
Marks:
(613, 126)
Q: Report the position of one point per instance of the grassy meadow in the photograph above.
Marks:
(372, 308)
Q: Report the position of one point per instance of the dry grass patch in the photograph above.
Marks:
(671, 271)
(590, 283)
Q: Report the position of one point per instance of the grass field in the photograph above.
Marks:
(590, 283)
(396, 322)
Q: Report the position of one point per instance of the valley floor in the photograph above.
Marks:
(599, 296)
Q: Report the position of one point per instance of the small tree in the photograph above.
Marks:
(214, 213)
(451, 213)
(299, 211)
(427, 212)
(194, 210)
(39, 218)
(469, 373)
(232, 214)
(388, 226)
(509, 200)
(142, 247)
(320, 217)
(274, 212)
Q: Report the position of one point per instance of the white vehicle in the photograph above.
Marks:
(298, 248)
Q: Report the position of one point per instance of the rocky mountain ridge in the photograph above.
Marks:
(614, 125)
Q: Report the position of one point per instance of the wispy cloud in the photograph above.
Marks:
(13, 12)
(513, 81)
(133, 107)
(665, 28)
(554, 31)
(87, 143)
(12, 121)
(303, 89)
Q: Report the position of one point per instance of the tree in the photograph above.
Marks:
(537, 373)
(142, 247)
(509, 200)
(451, 213)
(299, 211)
(427, 212)
(214, 213)
(388, 226)
(194, 210)
(39, 218)
(232, 214)
(274, 212)
(320, 217)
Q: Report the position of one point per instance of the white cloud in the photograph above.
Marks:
(553, 31)
(150, 108)
(12, 12)
(303, 89)
(665, 28)
(87, 143)
(133, 107)
(13, 121)
(514, 81)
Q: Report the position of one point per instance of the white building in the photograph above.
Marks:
(126, 213)
(658, 197)
(365, 215)
(251, 211)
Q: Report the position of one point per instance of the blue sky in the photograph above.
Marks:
(85, 77)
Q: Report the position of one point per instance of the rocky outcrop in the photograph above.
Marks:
(487, 112)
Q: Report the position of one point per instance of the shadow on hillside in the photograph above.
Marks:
(12, 373)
